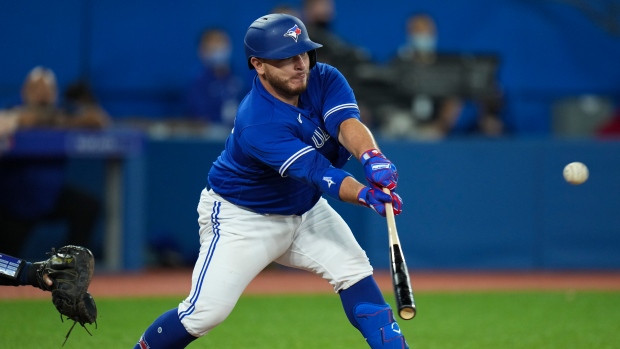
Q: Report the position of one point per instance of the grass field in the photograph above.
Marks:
(476, 320)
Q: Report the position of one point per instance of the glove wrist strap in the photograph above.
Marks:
(370, 153)
(361, 196)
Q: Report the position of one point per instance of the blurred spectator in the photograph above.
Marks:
(80, 100)
(477, 117)
(611, 127)
(421, 41)
(582, 115)
(286, 9)
(40, 105)
(33, 191)
(440, 108)
(318, 16)
(215, 93)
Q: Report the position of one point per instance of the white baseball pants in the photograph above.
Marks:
(236, 244)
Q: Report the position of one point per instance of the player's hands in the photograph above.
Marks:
(376, 199)
(380, 172)
(47, 280)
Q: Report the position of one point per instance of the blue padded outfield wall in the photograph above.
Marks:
(468, 204)
(141, 54)
(471, 204)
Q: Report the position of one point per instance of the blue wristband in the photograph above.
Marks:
(332, 180)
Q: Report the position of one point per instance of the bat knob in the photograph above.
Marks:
(407, 313)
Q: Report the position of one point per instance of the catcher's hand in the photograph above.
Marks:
(70, 269)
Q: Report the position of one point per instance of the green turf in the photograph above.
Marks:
(541, 320)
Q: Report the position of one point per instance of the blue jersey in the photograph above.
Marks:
(279, 159)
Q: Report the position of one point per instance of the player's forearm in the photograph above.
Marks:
(356, 137)
(349, 189)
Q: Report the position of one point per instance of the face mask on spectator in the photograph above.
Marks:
(423, 42)
(217, 58)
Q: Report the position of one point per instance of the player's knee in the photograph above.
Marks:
(359, 272)
(377, 324)
(199, 320)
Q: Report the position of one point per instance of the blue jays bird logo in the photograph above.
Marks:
(293, 33)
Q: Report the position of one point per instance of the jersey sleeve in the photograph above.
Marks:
(339, 102)
(290, 157)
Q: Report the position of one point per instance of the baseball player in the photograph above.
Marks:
(293, 132)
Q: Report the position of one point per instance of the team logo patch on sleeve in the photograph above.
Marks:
(293, 33)
(329, 181)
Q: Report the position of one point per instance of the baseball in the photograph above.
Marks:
(576, 173)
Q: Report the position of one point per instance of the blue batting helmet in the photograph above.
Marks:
(278, 36)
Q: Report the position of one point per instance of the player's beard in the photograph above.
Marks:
(284, 86)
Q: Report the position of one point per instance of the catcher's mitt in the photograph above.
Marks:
(71, 269)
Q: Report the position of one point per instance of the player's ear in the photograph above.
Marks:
(257, 64)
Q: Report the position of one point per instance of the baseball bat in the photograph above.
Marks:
(401, 281)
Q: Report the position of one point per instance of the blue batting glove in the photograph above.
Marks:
(376, 199)
(380, 172)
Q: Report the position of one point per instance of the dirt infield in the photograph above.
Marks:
(178, 282)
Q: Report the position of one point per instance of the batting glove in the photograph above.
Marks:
(380, 172)
(376, 199)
